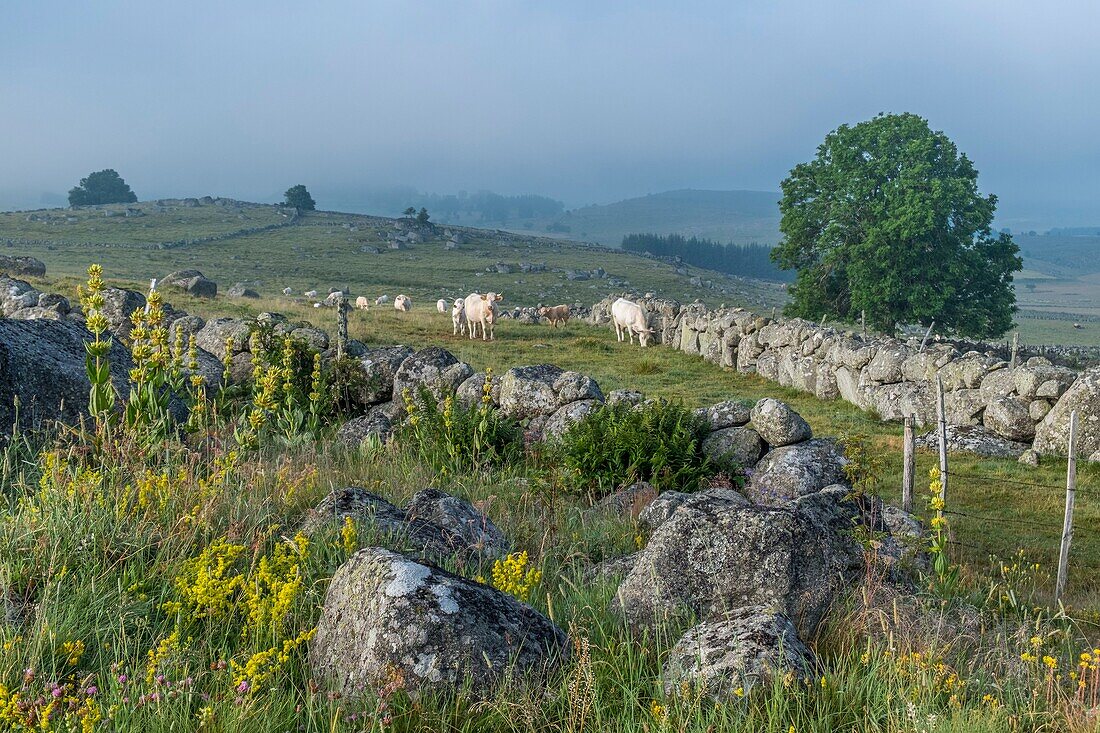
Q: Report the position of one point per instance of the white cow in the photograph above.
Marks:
(458, 316)
(310, 293)
(362, 303)
(382, 300)
(287, 291)
(441, 305)
(630, 319)
(482, 309)
(402, 303)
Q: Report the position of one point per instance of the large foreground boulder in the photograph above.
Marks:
(42, 364)
(434, 369)
(528, 391)
(24, 266)
(729, 655)
(386, 615)
(709, 558)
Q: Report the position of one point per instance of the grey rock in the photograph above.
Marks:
(214, 333)
(429, 369)
(613, 568)
(529, 391)
(378, 365)
(385, 614)
(726, 657)
(24, 266)
(574, 386)
(740, 446)
(1052, 434)
(240, 290)
(628, 502)
(461, 519)
(1030, 457)
(728, 414)
(625, 396)
(566, 417)
(778, 424)
(976, 439)
(355, 431)
(792, 471)
(191, 282)
(1009, 418)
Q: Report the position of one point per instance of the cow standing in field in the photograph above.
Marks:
(630, 319)
(362, 303)
(287, 291)
(482, 309)
(458, 316)
(556, 314)
(310, 293)
(382, 300)
(402, 303)
(441, 305)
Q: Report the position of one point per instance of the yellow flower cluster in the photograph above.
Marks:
(209, 582)
(511, 575)
(349, 536)
(72, 651)
(271, 588)
(167, 652)
(262, 666)
(67, 708)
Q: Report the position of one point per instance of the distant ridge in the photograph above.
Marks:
(741, 217)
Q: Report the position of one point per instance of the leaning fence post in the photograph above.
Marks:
(1015, 349)
(926, 335)
(943, 441)
(1067, 523)
(909, 464)
(342, 308)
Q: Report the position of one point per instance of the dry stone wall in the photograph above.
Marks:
(891, 377)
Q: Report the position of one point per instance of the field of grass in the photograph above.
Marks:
(324, 250)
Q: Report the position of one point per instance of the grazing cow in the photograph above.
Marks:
(630, 319)
(1077, 325)
(556, 314)
(362, 303)
(441, 305)
(382, 300)
(316, 305)
(458, 316)
(402, 303)
(310, 293)
(287, 291)
(334, 298)
(482, 309)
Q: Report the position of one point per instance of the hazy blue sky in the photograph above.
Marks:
(585, 101)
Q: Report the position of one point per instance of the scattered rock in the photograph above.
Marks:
(792, 471)
(475, 530)
(739, 446)
(726, 657)
(240, 290)
(1030, 457)
(1009, 418)
(191, 282)
(976, 439)
(24, 266)
(385, 614)
(728, 414)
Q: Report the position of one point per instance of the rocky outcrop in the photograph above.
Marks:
(387, 615)
(714, 556)
(778, 424)
(191, 282)
(433, 369)
(793, 471)
(974, 439)
(727, 656)
(22, 266)
(1052, 433)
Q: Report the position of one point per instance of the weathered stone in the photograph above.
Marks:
(574, 386)
(726, 657)
(625, 396)
(374, 424)
(566, 417)
(1038, 409)
(430, 369)
(976, 439)
(529, 391)
(728, 414)
(1052, 434)
(786, 473)
(378, 366)
(385, 614)
(964, 406)
(22, 266)
(968, 372)
(213, 335)
(738, 446)
(191, 282)
(240, 290)
(778, 424)
(471, 391)
(461, 519)
(1030, 457)
(628, 502)
(1009, 418)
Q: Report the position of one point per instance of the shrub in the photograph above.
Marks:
(453, 438)
(616, 445)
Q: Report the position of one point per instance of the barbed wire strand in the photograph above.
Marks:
(1003, 520)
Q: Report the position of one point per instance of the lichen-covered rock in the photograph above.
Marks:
(385, 615)
(42, 364)
(471, 391)
(314, 338)
(528, 391)
(726, 657)
(378, 365)
(1010, 418)
(710, 557)
(15, 295)
(740, 446)
(778, 424)
(213, 335)
(566, 417)
(728, 414)
(1030, 457)
(976, 439)
(1052, 434)
(625, 396)
(374, 424)
(574, 387)
(461, 519)
(613, 568)
(792, 471)
(25, 266)
(434, 369)
(660, 509)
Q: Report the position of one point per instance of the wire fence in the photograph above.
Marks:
(993, 531)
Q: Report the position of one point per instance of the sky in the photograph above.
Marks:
(584, 101)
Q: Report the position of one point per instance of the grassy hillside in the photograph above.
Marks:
(324, 249)
(740, 217)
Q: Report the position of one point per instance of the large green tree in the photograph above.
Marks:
(298, 197)
(102, 187)
(887, 219)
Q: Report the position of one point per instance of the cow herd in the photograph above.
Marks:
(482, 309)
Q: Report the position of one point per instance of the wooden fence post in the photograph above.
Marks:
(943, 440)
(927, 333)
(1015, 349)
(909, 464)
(342, 308)
(1067, 523)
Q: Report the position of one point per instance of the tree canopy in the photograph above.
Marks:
(749, 260)
(298, 197)
(887, 219)
(102, 187)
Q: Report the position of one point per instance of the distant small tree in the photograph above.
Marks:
(411, 211)
(422, 217)
(102, 187)
(298, 197)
